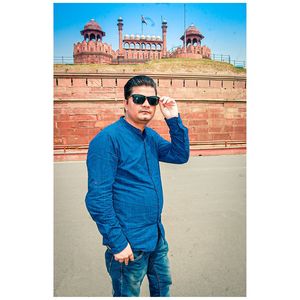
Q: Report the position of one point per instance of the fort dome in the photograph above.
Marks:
(92, 25)
(193, 32)
(92, 30)
(192, 29)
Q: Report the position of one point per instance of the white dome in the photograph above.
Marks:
(132, 36)
(158, 37)
(142, 37)
(137, 37)
(153, 37)
(148, 37)
(126, 36)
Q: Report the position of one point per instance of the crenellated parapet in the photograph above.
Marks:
(93, 52)
(191, 52)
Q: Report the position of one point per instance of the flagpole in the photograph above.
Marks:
(184, 30)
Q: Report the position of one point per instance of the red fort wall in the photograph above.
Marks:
(212, 107)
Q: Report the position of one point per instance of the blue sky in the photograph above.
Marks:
(222, 24)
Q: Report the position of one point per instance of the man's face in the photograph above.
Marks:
(140, 113)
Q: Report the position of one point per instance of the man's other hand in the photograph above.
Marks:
(168, 107)
(125, 255)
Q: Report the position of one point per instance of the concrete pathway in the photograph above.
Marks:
(204, 217)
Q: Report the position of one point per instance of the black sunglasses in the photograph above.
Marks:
(140, 99)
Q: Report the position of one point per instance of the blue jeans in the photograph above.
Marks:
(127, 280)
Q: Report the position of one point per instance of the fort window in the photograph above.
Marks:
(132, 46)
(158, 47)
(137, 46)
(126, 46)
(143, 46)
(148, 46)
(92, 37)
(153, 47)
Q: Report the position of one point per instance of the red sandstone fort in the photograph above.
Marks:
(135, 48)
(212, 105)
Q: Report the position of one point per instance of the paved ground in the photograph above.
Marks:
(204, 217)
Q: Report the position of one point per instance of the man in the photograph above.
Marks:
(125, 196)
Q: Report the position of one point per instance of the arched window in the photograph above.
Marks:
(148, 46)
(98, 38)
(188, 42)
(195, 42)
(92, 37)
(153, 47)
(86, 37)
(131, 45)
(137, 46)
(126, 46)
(158, 47)
(143, 46)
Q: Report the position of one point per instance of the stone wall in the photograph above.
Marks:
(212, 107)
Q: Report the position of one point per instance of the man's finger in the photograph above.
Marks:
(131, 257)
(126, 261)
(121, 260)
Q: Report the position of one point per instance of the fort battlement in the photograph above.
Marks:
(212, 107)
(93, 52)
(134, 48)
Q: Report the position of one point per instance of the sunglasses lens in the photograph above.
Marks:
(153, 100)
(138, 99)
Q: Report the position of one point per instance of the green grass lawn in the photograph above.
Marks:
(170, 65)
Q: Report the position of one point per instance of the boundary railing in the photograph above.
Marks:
(216, 57)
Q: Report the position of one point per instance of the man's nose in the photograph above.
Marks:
(146, 103)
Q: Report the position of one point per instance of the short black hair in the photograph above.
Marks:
(140, 80)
